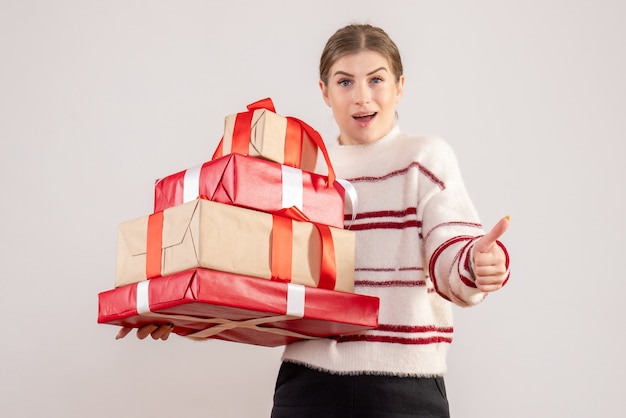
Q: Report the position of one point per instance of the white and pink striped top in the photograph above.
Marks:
(415, 225)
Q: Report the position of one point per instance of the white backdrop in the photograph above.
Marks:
(100, 98)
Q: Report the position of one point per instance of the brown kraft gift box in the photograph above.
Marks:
(228, 238)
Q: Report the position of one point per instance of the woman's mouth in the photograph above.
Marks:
(364, 118)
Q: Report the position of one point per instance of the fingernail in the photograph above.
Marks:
(508, 217)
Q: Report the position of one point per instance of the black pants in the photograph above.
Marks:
(302, 392)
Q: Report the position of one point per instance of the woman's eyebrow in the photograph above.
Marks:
(339, 72)
(343, 73)
(376, 70)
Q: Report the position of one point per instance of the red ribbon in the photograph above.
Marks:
(154, 245)
(281, 251)
(317, 138)
(294, 140)
(281, 257)
(262, 104)
(241, 133)
(219, 151)
(328, 270)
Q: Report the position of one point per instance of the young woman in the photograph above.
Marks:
(420, 248)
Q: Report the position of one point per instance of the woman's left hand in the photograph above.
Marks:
(490, 270)
(157, 331)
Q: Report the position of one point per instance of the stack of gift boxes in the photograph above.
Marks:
(249, 246)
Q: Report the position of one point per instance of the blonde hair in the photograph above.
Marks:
(354, 38)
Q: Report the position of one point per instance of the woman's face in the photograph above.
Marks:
(362, 93)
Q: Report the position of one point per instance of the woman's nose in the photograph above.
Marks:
(362, 94)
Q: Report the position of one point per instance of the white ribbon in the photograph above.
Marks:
(352, 198)
(191, 183)
(295, 300)
(295, 310)
(143, 299)
(292, 193)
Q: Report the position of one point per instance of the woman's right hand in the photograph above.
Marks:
(157, 331)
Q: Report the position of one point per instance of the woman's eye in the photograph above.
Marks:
(377, 80)
(344, 83)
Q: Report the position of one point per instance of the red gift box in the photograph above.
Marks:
(259, 184)
(203, 303)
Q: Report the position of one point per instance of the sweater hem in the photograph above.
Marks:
(361, 372)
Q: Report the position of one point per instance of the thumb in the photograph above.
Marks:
(487, 241)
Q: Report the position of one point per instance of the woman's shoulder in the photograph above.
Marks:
(423, 146)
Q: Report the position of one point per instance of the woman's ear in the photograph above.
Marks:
(324, 90)
(399, 89)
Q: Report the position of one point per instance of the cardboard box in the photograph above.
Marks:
(259, 184)
(261, 132)
(228, 238)
(211, 304)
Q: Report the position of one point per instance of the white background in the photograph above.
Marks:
(100, 98)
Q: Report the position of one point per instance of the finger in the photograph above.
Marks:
(167, 332)
(124, 331)
(490, 270)
(487, 288)
(161, 332)
(490, 283)
(495, 258)
(487, 241)
(146, 330)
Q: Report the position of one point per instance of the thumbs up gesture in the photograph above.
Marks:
(489, 259)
